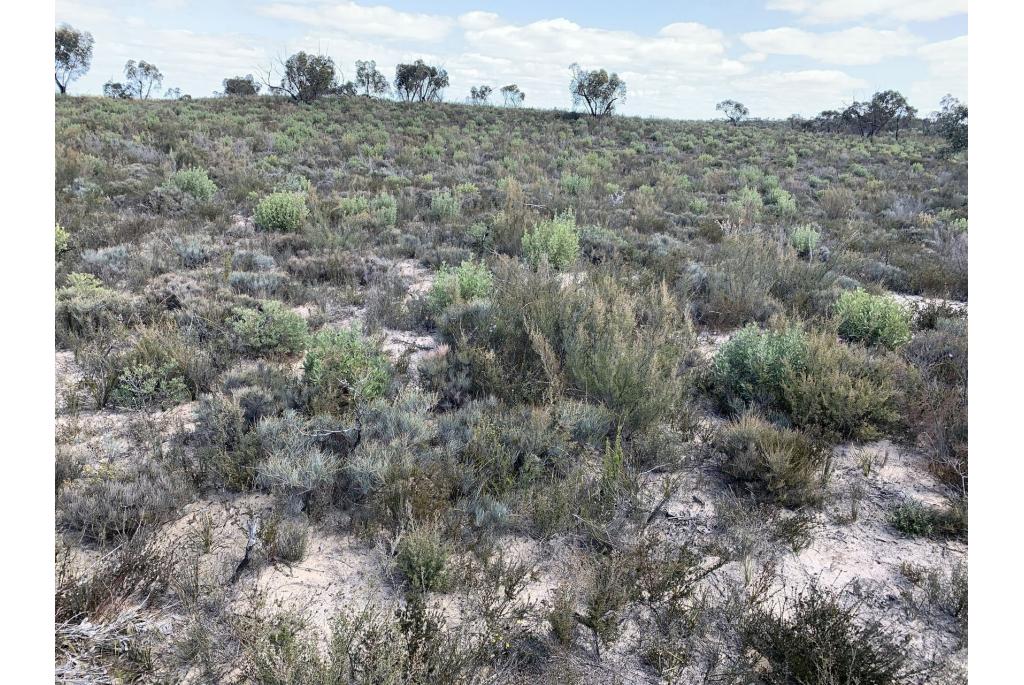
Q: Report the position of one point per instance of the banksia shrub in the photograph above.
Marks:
(284, 211)
(557, 240)
(872, 319)
(195, 182)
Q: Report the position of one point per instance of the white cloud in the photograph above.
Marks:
(855, 46)
(807, 92)
(834, 11)
(377, 21)
(947, 73)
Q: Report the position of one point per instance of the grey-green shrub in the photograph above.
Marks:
(195, 182)
(270, 329)
(556, 240)
(85, 307)
(341, 368)
(282, 211)
(445, 205)
(815, 381)
(471, 280)
(804, 239)
(872, 319)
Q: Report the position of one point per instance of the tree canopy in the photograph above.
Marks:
(597, 89)
(72, 55)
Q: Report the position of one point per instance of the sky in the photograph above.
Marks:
(779, 57)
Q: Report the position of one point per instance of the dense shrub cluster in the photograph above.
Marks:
(282, 211)
(343, 368)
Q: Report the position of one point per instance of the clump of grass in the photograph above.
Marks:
(872, 319)
(271, 328)
(194, 181)
(424, 559)
(470, 281)
(281, 211)
(341, 368)
(556, 240)
(786, 464)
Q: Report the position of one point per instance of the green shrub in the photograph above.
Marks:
(746, 208)
(343, 367)
(872, 319)
(424, 558)
(282, 211)
(159, 371)
(784, 463)
(380, 210)
(921, 520)
(621, 348)
(781, 201)
(470, 281)
(816, 382)
(195, 182)
(556, 240)
(270, 329)
(145, 385)
(61, 240)
(574, 184)
(445, 205)
(754, 365)
(804, 239)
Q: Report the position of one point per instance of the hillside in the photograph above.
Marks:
(362, 392)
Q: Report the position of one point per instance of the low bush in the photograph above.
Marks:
(872, 319)
(921, 520)
(341, 368)
(804, 239)
(195, 182)
(470, 281)
(282, 211)
(270, 329)
(814, 638)
(783, 463)
(556, 240)
(814, 381)
(424, 559)
(110, 503)
(85, 308)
